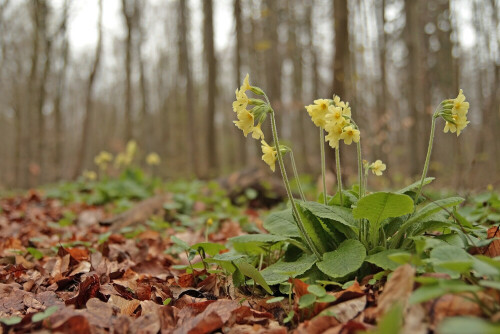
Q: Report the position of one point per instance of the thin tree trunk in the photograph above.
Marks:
(128, 14)
(87, 120)
(211, 61)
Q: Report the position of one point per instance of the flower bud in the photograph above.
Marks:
(256, 102)
(257, 90)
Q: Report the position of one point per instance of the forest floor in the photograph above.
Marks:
(63, 271)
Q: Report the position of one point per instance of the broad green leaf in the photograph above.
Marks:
(275, 300)
(316, 290)
(467, 325)
(282, 223)
(45, 314)
(335, 215)
(249, 271)
(11, 321)
(307, 300)
(281, 271)
(289, 317)
(451, 258)
(346, 259)
(442, 287)
(314, 229)
(210, 248)
(382, 260)
(381, 205)
(181, 243)
(415, 185)
(35, 253)
(490, 284)
(327, 299)
(391, 322)
(256, 243)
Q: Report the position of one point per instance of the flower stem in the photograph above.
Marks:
(427, 159)
(296, 176)
(339, 174)
(360, 171)
(300, 224)
(323, 163)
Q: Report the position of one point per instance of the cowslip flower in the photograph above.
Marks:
(241, 102)
(153, 159)
(103, 159)
(334, 132)
(269, 155)
(257, 132)
(246, 85)
(245, 122)
(458, 120)
(318, 112)
(350, 134)
(378, 167)
(90, 175)
(335, 116)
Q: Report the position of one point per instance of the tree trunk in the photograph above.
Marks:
(211, 62)
(87, 119)
(128, 14)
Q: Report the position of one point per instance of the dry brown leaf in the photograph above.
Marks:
(347, 310)
(212, 318)
(397, 289)
(493, 249)
(127, 307)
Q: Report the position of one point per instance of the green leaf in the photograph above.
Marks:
(256, 243)
(167, 301)
(282, 223)
(451, 258)
(11, 321)
(281, 271)
(316, 290)
(391, 322)
(382, 260)
(415, 185)
(275, 300)
(346, 259)
(381, 205)
(341, 218)
(35, 253)
(490, 284)
(442, 287)
(289, 317)
(249, 271)
(307, 300)
(45, 314)
(467, 325)
(181, 243)
(210, 248)
(314, 229)
(327, 299)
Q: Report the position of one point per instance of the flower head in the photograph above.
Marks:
(241, 101)
(378, 167)
(457, 120)
(257, 132)
(90, 175)
(246, 85)
(334, 133)
(269, 155)
(350, 134)
(103, 159)
(335, 116)
(318, 112)
(245, 122)
(153, 159)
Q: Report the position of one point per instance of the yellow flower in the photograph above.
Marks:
(90, 175)
(335, 116)
(153, 159)
(378, 167)
(210, 222)
(102, 159)
(269, 155)
(460, 107)
(257, 132)
(246, 85)
(318, 112)
(334, 133)
(241, 101)
(245, 122)
(120, 160)
(349, 135)
(460, 124)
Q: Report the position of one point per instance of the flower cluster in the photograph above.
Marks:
(153, 159)
(125, 158)
(246, 119)
(103, 159)
(377, 167)
(334, 116)
(456, 117)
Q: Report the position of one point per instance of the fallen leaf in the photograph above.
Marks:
(397, 289)
(88, 289)
(127, 307)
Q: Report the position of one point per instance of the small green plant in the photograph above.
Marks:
(353, 232)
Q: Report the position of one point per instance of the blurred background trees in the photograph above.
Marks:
(164, 73)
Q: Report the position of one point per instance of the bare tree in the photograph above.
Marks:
(128, 11)
(87, 119)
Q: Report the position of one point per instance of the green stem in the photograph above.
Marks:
(300, 224)
(323, 163)
(427, 159)
(296, 176)
(339, 174)
(360, 170)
